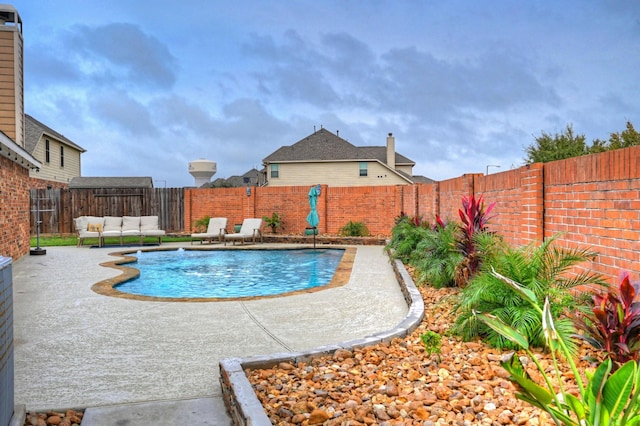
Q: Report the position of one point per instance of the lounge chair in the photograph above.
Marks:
(250, 230)
(217, 229)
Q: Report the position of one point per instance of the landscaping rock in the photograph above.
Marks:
(399, 383)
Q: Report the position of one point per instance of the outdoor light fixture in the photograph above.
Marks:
(491, 165)
(318, 189)
(248, 191)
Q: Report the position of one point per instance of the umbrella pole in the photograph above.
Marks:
(314, 237)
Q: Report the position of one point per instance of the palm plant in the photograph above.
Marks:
(436, 256)
(405, 237)
(544, 271)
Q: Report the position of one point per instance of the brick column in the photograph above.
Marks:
(532, 204)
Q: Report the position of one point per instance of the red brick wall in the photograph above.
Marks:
(594, 201)
(14, 209)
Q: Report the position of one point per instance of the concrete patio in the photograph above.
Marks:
(150, 363)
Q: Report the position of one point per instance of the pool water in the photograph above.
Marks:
(230, 273)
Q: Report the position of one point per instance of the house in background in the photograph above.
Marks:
(251, 178)
(60, 157)
(325, 158)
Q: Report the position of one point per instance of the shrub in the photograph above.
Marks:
(541, 270)
(431, 341)
(354, 229)
(475, 218)
(613, 326)
(202, 224)
(609, 399)
(405, 236)
(274, 222)
(436, 256)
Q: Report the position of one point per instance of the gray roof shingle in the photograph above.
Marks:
(33, 131)
(79, 182)
(326, 146)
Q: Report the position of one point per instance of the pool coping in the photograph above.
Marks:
(107, 287)
(240, 399)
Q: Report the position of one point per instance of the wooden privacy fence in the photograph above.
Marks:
(58, 207)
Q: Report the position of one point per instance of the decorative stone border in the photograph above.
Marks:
(240, 399)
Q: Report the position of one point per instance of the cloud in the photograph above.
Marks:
(122, 55)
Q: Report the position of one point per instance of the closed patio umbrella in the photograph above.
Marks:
(313, 218)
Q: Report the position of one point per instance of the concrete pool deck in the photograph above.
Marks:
(155, 363)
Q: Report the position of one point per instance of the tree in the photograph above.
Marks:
(557, 147)
(566, 144)
(628, 137)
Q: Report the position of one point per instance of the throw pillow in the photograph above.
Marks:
(94, 227)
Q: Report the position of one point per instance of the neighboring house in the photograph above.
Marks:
(252, 178)
(326, 158)
(110, 182)
(60, 157)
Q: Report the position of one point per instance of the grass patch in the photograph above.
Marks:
(72, 240)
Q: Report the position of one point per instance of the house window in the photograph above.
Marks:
(61, 156)
(363, 169)
(47, 154)
(274, 171)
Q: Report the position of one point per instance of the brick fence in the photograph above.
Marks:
(592, 201)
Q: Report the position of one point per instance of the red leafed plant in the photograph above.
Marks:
(474, 217)
(613, 326)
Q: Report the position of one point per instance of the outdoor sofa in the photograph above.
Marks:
(117, 227)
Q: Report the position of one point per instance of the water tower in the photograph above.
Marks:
(202, 170)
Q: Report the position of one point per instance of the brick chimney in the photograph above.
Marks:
(391, 151)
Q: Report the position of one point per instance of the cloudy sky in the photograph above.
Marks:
(146, 86)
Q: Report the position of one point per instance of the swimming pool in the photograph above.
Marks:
(227, 274)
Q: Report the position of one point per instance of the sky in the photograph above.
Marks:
(146, 86)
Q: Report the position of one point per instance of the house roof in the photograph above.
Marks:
(79, 182)
(326, 146)
(236, 181)
(34, 129)
(15, 152)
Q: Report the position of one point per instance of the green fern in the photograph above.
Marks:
(544, 271)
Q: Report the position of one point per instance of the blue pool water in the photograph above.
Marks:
(230, 273)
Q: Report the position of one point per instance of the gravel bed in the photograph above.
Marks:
(400, 384)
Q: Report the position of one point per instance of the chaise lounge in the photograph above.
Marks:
(217, 229)
(250, 230)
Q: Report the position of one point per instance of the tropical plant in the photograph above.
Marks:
(613, 326)
(274, 222)
(201, 224)
(405, 236)
(432, 342)
(542, 270)
(609, 399)
(436, 256)
(475, 218)
(354, 229)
